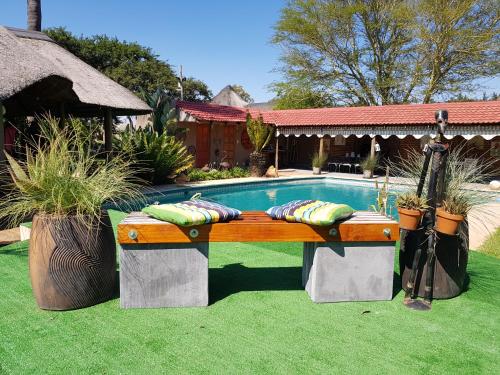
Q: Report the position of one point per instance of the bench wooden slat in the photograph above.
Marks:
(257, 226)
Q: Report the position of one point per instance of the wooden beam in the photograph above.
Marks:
(276, 155)
(108, 130)
(257, 226)
(372, 147)
(321, 148)
(2, 129)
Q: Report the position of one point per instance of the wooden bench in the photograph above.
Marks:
(165, 265)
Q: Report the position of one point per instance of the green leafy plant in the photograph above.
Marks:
(197, 174)
(369, 164)
(63, 176)
(383, 194)
(260, 134)
(411, 201)
(318, 161)
(157, 158)
(163, 117)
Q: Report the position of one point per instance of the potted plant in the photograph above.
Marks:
(411, 208)
(260, 135)
(318, 161)
(368, 165)
(452, 212)
(63, 185)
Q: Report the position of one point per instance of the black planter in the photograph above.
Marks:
(258, 162)
(451, 262)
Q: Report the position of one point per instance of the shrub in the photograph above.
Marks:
(318, 160)
(63, 176)
(157, 158)
(369, 164)
(196, 174)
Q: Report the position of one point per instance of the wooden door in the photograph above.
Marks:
(229, 143)
(202, 145)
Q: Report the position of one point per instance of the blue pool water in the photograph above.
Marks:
(261, 197)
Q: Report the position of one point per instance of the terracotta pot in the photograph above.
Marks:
(447, 223)
(316, 170)
(72, 265)
(409, 219)
(367, 174)
(258, 163)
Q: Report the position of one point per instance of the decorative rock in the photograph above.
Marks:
(271, 172)
(495, 185)
(225, 165)
(206, 168)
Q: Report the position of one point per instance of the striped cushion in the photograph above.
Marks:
(192, 212)
(311, 212)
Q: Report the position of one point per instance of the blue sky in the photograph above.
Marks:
(218, 41)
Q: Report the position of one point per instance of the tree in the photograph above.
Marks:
(294, 96)
(130, 64)
(34, 12)
(238, 89)
(372, 52)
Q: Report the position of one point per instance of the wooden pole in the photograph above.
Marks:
(62, 115)
(2, 139)
(276, 155)
(320, 153)
(108, 130)
(372, 148)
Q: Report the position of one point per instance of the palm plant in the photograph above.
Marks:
(260, 135)
(163, 117)
(158, 157)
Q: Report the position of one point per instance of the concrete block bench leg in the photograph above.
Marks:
(164, 275)
(348, 271)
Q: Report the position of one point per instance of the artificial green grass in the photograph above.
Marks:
(492, 245)
(259, 321)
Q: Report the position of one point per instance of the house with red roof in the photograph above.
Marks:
(218, 132)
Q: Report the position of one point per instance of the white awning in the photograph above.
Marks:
(467, 131)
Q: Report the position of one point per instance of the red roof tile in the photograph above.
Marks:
(483, 112)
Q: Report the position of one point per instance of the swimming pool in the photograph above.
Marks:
(264, 195)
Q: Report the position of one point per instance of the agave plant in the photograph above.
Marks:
(158, 157)
(163, 117)
(62, 176)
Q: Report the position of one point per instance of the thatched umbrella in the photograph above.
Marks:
(39, 75)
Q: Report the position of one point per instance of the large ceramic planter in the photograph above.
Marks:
(72, 265)
(409, 219)
(258, 163)
(367, 174)
(450, 267)
(316, 170)
(447, 223)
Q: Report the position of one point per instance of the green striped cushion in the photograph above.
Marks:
(311, 212)
(192, 212)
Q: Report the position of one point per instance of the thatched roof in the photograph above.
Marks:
(227, 96)
(37, 74)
